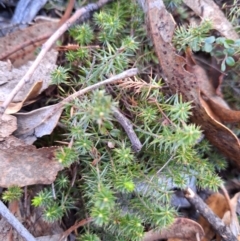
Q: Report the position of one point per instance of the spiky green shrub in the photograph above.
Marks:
(122, 190)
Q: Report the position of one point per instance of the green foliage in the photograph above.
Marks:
(13, 193)
(83, 34)
(66, 156)
(233, 13)
(193, 36)
(173, 4)
(89, 237)
(60, 75)
(199, 38)
(115, 179)
(56, 203)
(123, 191)
(118, 46)
(43, 198)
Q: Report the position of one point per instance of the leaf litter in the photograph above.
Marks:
(40, 81)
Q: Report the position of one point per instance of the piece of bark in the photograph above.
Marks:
(24, 165)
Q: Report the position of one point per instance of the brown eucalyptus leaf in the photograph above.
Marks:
(182, 81)
(24, 165)
(21, 38)
(183, 229)
(225, 209)
(174, 239)
(33, 93)
(225, 115)
(205, 84)
(8, 124)
(215, 104)
(37, 123)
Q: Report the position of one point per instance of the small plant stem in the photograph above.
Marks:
(15, 223)
(128, 127)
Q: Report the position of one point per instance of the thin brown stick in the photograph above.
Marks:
(67, 13)
(128, 127)
(123, 75)
(46, 47)
(75, 226)
(207, 213)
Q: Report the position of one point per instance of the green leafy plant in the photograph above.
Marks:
(121, 190)
(56, 203)
(193, 36)
(199, 38)
(13, 193)
(60, 76)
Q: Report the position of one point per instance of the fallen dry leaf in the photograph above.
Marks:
(224, 208)
(42, 121)
(20, 46)
(55, 237)
(183, 229)
(10, 77)
(215, 104)
(24, 165)
(25, 42)
(41, 80)
(182, 81)
(37, 123)
(205, 84)
(32, 94)
(224, 115)
(230, 217)
(219, 205)
(174, 239)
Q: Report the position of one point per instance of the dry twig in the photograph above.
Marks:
(127, 126)
(123, 75)
(15, 223)
(207, 213)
